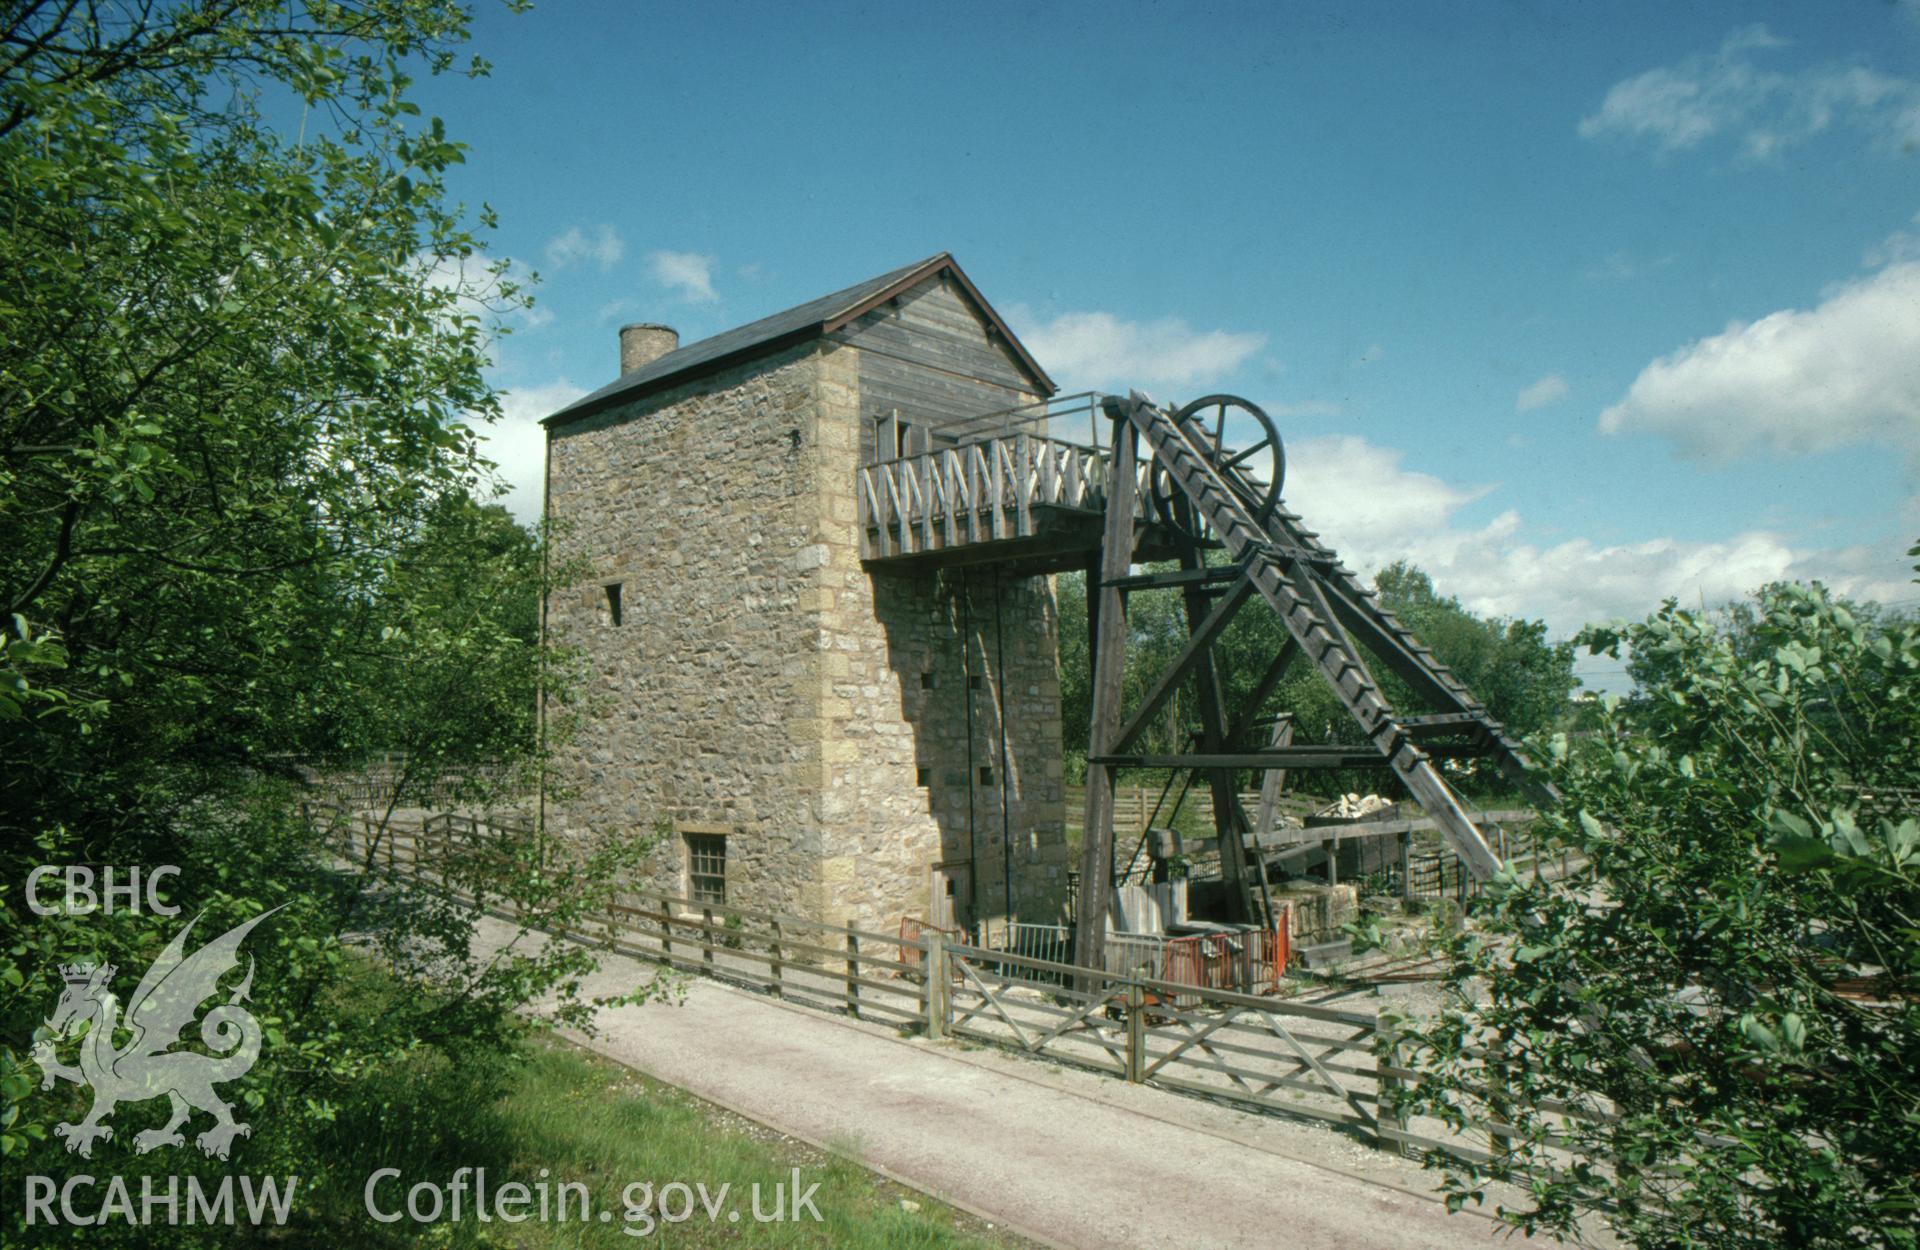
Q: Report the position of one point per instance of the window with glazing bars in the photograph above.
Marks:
(707, 867)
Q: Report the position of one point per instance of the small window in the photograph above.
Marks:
(986, 775)
(976, 682)
(707, 867)
(926, 681)
(922, 776)
(613, 603)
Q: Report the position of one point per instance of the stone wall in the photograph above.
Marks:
(832, 721)
(921, 665)
(925, 664)
(703, 705)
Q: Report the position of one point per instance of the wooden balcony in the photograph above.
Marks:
(1004, 492)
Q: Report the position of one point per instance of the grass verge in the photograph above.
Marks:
(558, 1114)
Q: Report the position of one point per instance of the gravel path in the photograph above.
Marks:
(1061, 1156)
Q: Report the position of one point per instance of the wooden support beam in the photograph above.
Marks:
(1108, 660)
(1193, 655)
(1301, 757)
(1269, 682)
(1412, 669)
(1274, 781)
(1284, 757)
(1405, 665)
(1450, 722)
(1287, 757)
(1168, 581)
(1204, 626)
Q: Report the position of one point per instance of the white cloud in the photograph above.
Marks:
(518, 445)
(1728, 93)
(688, 274)
(602, 245)
(1098, 349)
(1550, 389)
(1896, 247)
(1793, 382)
(1378, 502)
(1373, 510)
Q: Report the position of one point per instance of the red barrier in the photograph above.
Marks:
(1250, 961)
(911, 930)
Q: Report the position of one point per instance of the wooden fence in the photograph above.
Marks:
(1263, 1053)
(1134, 802)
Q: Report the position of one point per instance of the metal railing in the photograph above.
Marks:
(1247, 961)
(1075, 419)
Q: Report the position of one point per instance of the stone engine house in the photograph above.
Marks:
(815, 734)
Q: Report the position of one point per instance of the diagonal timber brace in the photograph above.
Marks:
(1365, 621)
(1328, 617)
(1289, 575)
(1198, 649)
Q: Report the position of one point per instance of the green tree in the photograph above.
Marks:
(1728, 988)
(238, 533)
(1525, 680)
(1508, 663)
(233, 373)
(1741, 623)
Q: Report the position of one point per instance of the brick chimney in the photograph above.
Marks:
(643, 343)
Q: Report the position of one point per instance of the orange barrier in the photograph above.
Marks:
(1251, 961)
(911, 931)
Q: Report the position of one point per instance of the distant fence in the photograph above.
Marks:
(373, 784)
(1254, 1051)
(1420, 870)
(1134, 803)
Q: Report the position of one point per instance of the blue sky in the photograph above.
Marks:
(1575, 306)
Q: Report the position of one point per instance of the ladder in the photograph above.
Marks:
(1325, 609)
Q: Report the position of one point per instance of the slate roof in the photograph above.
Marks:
(796, 325)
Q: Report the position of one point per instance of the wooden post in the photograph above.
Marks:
(779, 955)
(853, 970)
(666, 930)
(936, 984)
(1406, 866)
(1108, 607)
(1499, 1145)
(1271, 784)
(706, 937)
(1022, 473)
(1388, 1056)
(1136, 1033)
(1229, 822)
